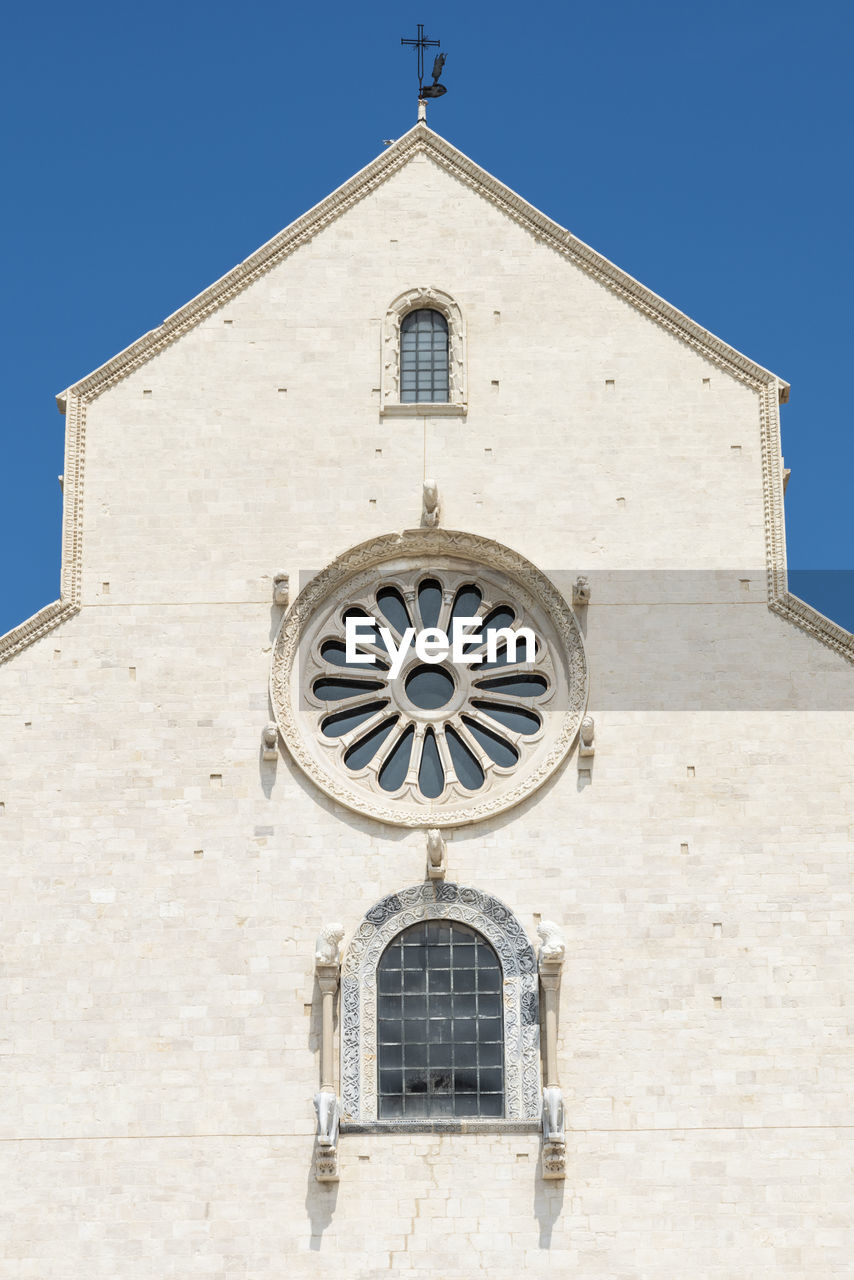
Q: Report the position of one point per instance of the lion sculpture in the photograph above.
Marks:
(430, 504)
(328, 944)
(553, 946)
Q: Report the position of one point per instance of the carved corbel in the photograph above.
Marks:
(586, 744)
(550, 963)
(327, 966)
(281, 589)
(328, 1120)
(581, 591)
(430, 505)
(270, 741)
(437, 855)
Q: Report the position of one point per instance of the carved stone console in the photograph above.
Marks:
(586, 743)
(437, 855)
(550, 963)
(281, 589)
(327, 966)
(430, 505)
(581, 592)
(270, 742)
(328, 1119)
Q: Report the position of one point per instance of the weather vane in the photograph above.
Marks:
(434, 90)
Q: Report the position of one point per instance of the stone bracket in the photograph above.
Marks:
(550, 964)
(327, 966)
(431, 507)
(554, 1161)
(437, 855)
(328, 1120)
(281, 589)
(581, 591)
(270, 741)
(586, 738)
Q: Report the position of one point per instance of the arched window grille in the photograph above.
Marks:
(440, 1048)
(423, 357)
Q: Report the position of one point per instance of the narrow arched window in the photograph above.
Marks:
(440, 1048)
(423, 357)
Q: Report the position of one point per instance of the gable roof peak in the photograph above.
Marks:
(421, 139)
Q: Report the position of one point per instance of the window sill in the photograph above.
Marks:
(424, 409)
(441, 1126)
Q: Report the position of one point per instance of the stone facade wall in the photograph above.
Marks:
(163, 885)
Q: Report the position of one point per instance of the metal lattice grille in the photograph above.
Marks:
(441, 1030)
(423, 357)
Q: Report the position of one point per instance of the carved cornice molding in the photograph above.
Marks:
(40, 624)
(601, 269)
(772, 391)
(269, 255)
(422, 141)
(815, 624)
(68, 604)
(780, 600)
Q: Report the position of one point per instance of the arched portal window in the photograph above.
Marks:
(440, 1044)
(424, 357)
(423, 334)
(488, 954)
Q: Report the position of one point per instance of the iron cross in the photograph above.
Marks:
(421, 44)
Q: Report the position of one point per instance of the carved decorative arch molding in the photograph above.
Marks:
(439, 901)
(434, 300)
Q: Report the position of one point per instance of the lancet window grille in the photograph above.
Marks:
(441, 1034)
(424, 357)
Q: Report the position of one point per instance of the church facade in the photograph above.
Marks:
(426, 814)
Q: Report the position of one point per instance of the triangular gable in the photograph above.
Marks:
(422, 140)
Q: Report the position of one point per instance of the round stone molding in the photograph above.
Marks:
(439, 745)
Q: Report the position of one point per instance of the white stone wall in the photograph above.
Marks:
(163, 886)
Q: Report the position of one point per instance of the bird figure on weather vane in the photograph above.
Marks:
(434, 90)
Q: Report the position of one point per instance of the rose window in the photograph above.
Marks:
(418, 734)
(436, 727)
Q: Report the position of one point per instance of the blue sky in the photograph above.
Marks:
(704, 149)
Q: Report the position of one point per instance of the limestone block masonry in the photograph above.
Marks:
(167, 866)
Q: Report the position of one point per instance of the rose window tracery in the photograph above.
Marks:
(441, 741)
(434, 728)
